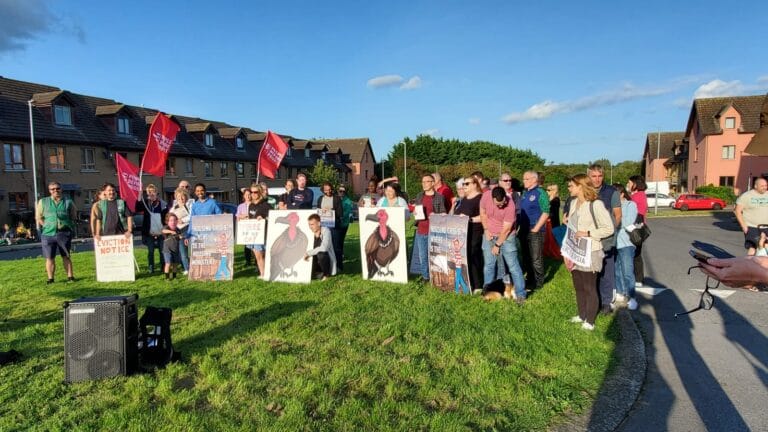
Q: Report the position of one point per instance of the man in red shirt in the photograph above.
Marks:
(426, 203)
(443, 189)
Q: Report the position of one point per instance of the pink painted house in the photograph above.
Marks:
(665, 145)
(718, 131)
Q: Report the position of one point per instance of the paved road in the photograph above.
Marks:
(33, 250)
(708, 370)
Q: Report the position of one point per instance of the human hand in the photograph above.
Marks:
(738, 272)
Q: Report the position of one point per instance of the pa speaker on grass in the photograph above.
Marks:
(100, 337)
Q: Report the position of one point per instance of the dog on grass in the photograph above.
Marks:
(509, 293)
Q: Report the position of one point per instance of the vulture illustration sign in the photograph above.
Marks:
(382, 244)
(288, 240)
(212, 246)
(448, 252)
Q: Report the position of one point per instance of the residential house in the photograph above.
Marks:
(361, 160)
(658, 151)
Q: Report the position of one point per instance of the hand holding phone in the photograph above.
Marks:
(700, 256)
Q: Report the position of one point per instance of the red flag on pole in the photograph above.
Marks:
(159, 142)
(271, 154)
(128, 181)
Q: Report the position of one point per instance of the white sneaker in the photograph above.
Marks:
(577, 319)
(185, 272)
(620, 298)
(587, 326)
(632, 304)
(638, 284)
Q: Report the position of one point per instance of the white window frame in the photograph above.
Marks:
(240, 169)
(728, 152)
(86, 165)
(208, 169)
(208, 139)
(224, 169)
(189, 166)
(62, 115)
(732, 121)
(240, 143)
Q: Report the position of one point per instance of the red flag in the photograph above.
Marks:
(159, 142)
(128, 181)
(271, 154)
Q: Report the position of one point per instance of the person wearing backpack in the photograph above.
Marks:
(56, 215)
(112, 215)
(587, 218)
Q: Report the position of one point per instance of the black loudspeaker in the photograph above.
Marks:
(100, 337)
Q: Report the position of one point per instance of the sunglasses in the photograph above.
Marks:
(707, 300)
(506, 180)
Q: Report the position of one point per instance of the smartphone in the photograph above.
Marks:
(700, 256)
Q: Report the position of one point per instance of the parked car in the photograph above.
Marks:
(664, 200)
(698, 202)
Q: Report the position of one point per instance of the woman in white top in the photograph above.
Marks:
(392, 198)
(181, 208)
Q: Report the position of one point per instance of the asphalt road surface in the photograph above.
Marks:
(707, 370)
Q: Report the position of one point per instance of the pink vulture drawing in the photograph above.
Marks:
(382, 246)
(288, 249)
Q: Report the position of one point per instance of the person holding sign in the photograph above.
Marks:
(323, 258)
(242, 213)
(427, 201)
(154, 210)
(392, 198)
(112, 215)
(172, 236)
(587, 219)
(258, 209)
(370, 198)
(180, 208)
(329, 208)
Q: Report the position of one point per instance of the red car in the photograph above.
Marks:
(698, 202)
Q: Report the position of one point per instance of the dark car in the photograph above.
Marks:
(698, 202)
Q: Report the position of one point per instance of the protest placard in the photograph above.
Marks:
(251, 231)
(448, 268)
(578, 250)
(114, 259)
(382, 244)
(212, 247)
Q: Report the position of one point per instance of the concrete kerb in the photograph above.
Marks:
(621, 387)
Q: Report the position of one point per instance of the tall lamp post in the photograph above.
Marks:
(32, 140)
(405, 168)
(658, 146)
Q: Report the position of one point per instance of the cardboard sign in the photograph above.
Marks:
(327, 217)
(578, 250)
(382, 244)
(114, 259)
(251, 231)
(448, 264)
(288, 240)
(212, 247)
(418, 212)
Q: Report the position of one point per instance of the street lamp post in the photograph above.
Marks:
(405, 168)
(658, 146)
(32, 141)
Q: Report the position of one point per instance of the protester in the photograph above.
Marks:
(22, 232)
(99, 196)
(469, 205)
(181, 208)
(625, 273)
(478, 175)
(346, 218)
(56, 215)
(258, 209)
(242, 213)
(443, 189)
(323, 258)
(636, 186)
(427, 201)
(752, 210)
(508, 184)
(154, 210)
(606, 280)
(371, 197)
(302, 197)
(588, 218)
(498, 217)
(204, 205)
(172, 236)
(331, 201)
(272, 201)
(460, 193)
(534, 213)
(392, 198)
(282, 200)
(8, 235)
(554, 205)
(113, 216)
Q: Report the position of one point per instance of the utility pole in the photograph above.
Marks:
(34, 161)
(658, 147)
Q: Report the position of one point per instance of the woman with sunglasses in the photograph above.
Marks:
(470, 194)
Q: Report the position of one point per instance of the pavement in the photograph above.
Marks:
(34, 250)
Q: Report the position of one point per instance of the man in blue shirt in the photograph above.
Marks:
(203, 205)
(606, 279)
(534, 213)
(302, 197)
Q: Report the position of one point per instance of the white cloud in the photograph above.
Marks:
(474, 121)
(431, 132)
(762, 79)
(385, 81)
(24, 21)
(413, 83)
(718, 88)
(548, 108)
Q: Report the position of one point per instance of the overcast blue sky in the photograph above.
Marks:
(572, 81)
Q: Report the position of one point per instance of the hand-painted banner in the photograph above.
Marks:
(211, 243)
(114, 259)
(251, 231)
(448, 269)
(272, 152)
(288, 241)
(162, 133)
(128, 181)
(382, 244)
(578, 250)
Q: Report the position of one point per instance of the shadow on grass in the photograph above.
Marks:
(245, 323)
(173, 299)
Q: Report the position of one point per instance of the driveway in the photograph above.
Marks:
(707, 370)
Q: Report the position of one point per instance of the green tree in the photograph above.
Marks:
(322, 172)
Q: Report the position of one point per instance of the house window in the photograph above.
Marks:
(288, 152)
(88, 161)
(209, 140)
(696, 153)
(56, 158)
(240, 143)
(729, 152)
(91, 196)
(254, 170)
(727, 181)
(18, 201)
(223, 169)
(240, 169)
(306, 153)
(14, 156)
(189, 165)
(324, 155)
(170, 166)
(62, 115)
(365, 159)
(208, 169)
(123, 126)
(730, 122)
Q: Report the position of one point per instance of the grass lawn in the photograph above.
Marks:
(345, 354)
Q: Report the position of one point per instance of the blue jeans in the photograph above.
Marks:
(420, 256)
(625, 271)
(508, 256)
(184, 253)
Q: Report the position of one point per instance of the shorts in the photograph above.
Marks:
(751, 238)
(172, 257)
(256, 247)
(60, 244)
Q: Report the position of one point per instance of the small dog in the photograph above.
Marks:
(509, 293)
